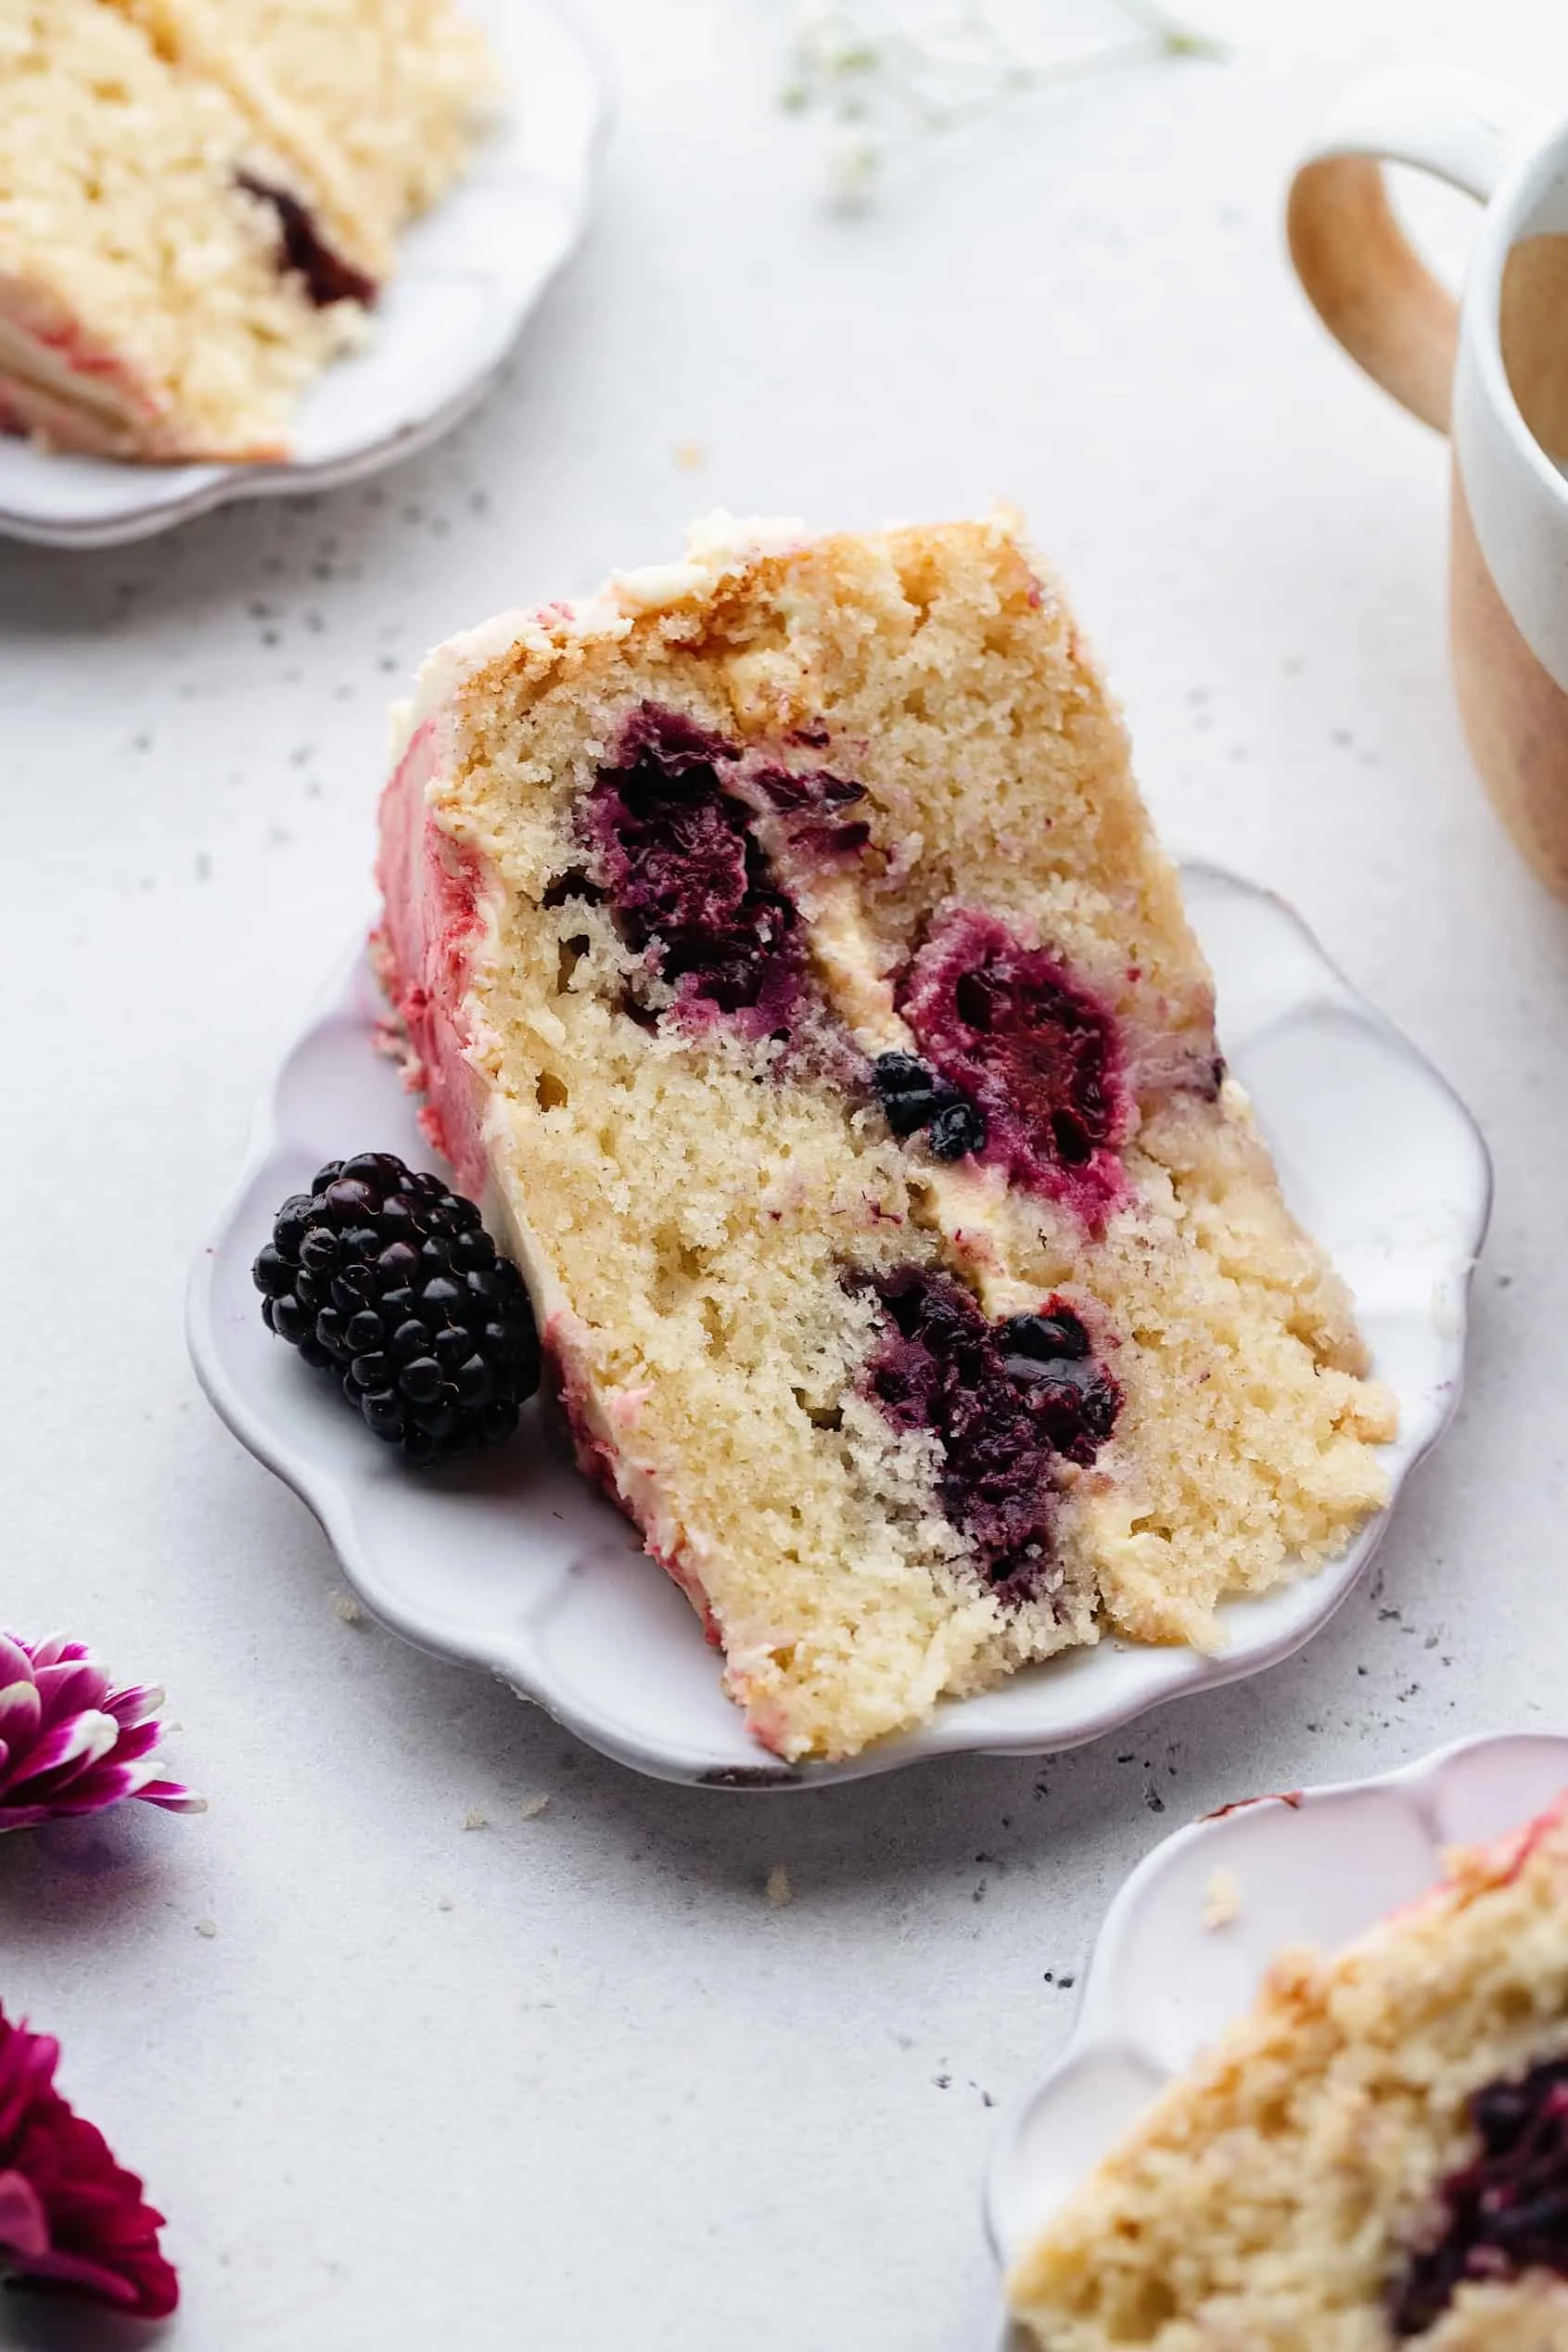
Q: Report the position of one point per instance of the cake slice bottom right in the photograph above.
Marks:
(1376, 2156)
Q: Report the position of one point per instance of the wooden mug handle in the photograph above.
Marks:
(1363, 279)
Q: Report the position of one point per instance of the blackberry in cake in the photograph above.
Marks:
(1376, 2156)
(197, 205)
(779, 939)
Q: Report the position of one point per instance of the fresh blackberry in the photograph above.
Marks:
(390, 1282)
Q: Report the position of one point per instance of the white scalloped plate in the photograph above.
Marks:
(467, 276)
(516, 1565)
(1317, 1867)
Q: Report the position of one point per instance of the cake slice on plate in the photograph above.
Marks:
(1376, 2156)
(198, 203)
(779, 938)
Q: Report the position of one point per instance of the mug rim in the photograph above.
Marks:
(1496, 238)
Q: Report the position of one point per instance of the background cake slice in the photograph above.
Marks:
(192, 212)
(780, 936)
(1377, 2155)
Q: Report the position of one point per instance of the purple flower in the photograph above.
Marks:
(72, 2222)
(70, 1743)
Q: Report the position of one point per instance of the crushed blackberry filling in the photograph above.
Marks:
(691, 888)
(327, 277)
(913, 1097)
(1007, 1403)
(1009, 1027)
(1507, 2210)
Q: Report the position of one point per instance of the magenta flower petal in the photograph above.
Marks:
(71, 2219)
(70, 1743)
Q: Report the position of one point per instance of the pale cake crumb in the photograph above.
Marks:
(531, 1806)
(207, 1927)
(476, 1819)
(1222, 1899)
(690, 456)
(349, 1608)
(779, 1889)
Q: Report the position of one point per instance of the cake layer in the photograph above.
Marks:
(783, 939)
(1377, 2155)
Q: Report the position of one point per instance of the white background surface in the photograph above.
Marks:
(570, 2082)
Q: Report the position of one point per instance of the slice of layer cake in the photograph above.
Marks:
(185, 236)
(780, 936)
(1377, 2155)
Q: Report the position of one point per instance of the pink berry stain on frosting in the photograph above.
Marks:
(1008, 1403)
(674, 820)
(433, 891)
(1504, 2213)
(1013, 1032)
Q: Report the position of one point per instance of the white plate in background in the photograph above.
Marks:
(467, 275)
(1317, 1866)
(516, 1565)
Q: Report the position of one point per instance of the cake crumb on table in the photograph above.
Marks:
(207, 1927)
(349, 1607)
(476, 1819)
(533, 1806)
(1222, 1899)
(780, 1891)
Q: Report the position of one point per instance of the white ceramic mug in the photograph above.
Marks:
(1492, 371)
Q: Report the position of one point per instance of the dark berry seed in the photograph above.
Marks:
(398, 1305)
(361, 1241)
(437, 1420)
(383, 1408)
(419, 1446)
(453, 1346)
(475, 1385)
(1046, 1339)
(907, 1113)
(310, 1291)
(471, 1253)
(292, 1223)
(441, 1294)
(289, 1318)
(376, 1169)
(410, 1339)
(398, 1263)
(271, 1274)
(363, 1331)
(316, 1355)
(319, 1251)
(463, 1215)
(375, 1370)
(345, 1202)
(354, 1288)
(498, 1420)
(421, 1380)
(328, 1175)
(958, 1128)
(435, 1254)
(351, 1388)
(329, 1334)
(397, 1216)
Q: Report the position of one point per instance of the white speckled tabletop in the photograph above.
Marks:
(570, 2079)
